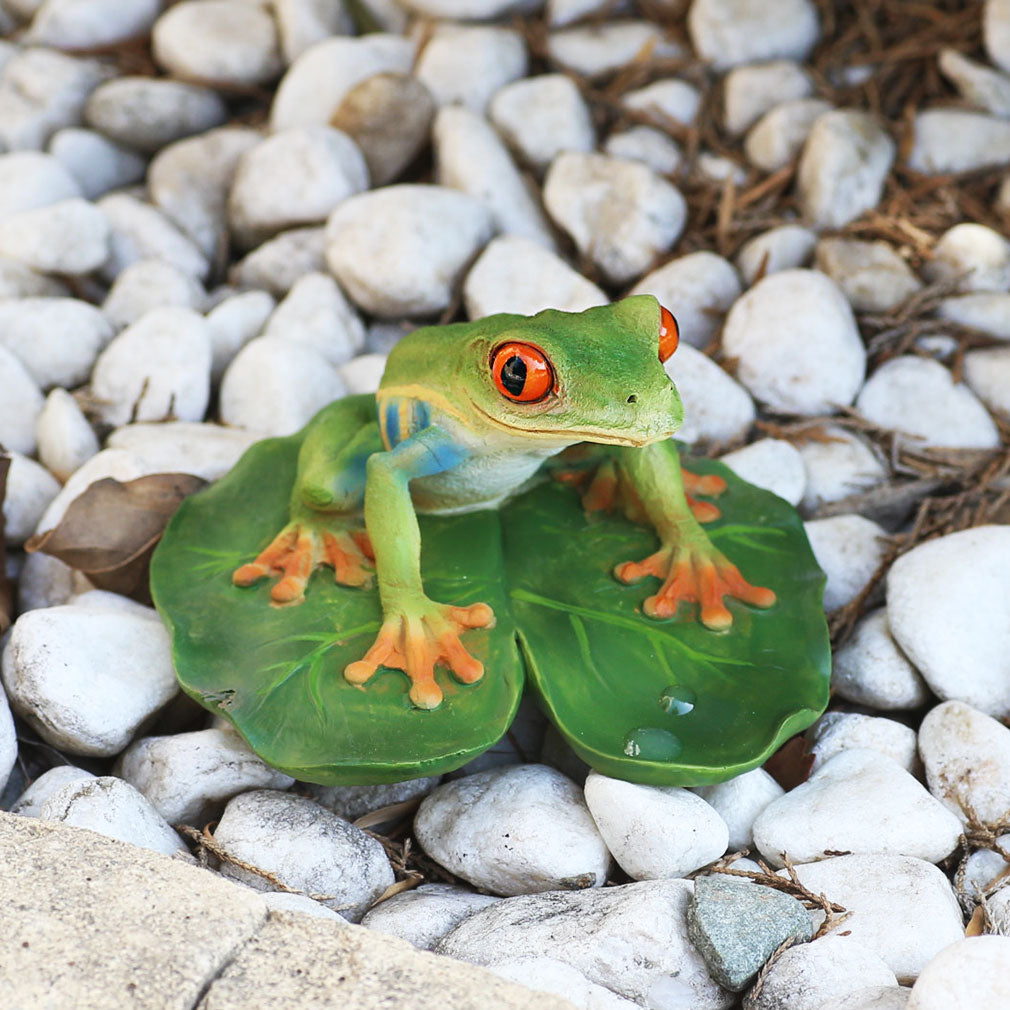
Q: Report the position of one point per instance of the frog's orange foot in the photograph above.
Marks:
(710, 485)
(415, 641)
(298, 550)
(694, 574)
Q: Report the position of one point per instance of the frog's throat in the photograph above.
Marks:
(588, 434)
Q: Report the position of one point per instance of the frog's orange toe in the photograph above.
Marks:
(416, 642)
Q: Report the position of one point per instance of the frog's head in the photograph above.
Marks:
(593, 376)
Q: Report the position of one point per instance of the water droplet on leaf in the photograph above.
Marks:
(677, 699)
(652, 744)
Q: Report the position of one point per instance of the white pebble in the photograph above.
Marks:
(902, 908)
(363, 373)
(30, 802)
(467, 64)
(870, 669)
(205, 450)
(664, 100)
(974, 255)
(845, 161)
(515, 274)
(295, 177)
(90, 24)
(306, 847)
(542, 116)
(150, 284)
(772, 464)
(232, 323)
(316, 83)
(470, 158)
(219, 41)
(840, 465)
(57, 339)
(716, 407)
(987, 374)
(981, 86)
(872, 275)
(43, 91)
(654, 831)
(798, 346)
(919, 398)
(30, 179)
(849, 548)
(278, 263)
(519, 829)
(189, 183)
(158, 367)
(738, 801)
(68, 237)
(188, 776)
(783, 248)
(401, 250)
(619, 213)
(972, 974)
(96, 162)
(19, 406)
(547, 974)
(303, 23)
(646, 144)
(566, 12)
(114, 808)
(352, 802)
(256, 387)
(424, 915)
(728, 32)
(835, 732)
(287, 901)
(30, 489)
(996, 32)
(987, 312)
(19, 281)
(389, 117)
(315, 312)
(87, 680)
(65, 439)
(967, 759)
(778, 136)
(955, 140)
(749, 91)
(816, 975)
(858, 801)
(595, 50)
(471, 10)
(146, 113)
(140, 232)
(590, 931)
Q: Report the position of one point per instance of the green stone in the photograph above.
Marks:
(736, 925)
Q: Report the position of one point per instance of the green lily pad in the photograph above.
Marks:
(667, 702)
(277, 672)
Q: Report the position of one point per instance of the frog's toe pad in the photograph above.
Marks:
(414, 643)
(694, 575)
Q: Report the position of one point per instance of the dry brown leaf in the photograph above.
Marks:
(110, 531)
(791, 763)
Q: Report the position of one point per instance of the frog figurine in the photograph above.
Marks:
(367, 599)
(465, 416)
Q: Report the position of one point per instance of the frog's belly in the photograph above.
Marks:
(477, 483)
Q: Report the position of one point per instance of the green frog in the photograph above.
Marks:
(466, 416)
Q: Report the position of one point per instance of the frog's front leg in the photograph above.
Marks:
(692, 569)
(324, 525)
(416, 633)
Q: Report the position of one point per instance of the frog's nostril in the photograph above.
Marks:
(632, 398)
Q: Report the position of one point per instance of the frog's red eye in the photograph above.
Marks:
(669, 333)
(522, 372)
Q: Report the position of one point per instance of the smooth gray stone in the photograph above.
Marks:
(736, 924)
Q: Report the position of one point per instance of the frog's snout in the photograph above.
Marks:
(655, 416)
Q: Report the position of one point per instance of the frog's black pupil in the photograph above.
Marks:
(513, 375)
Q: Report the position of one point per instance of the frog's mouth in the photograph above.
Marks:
(601, 436)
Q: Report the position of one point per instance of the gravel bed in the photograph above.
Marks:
(207, 205)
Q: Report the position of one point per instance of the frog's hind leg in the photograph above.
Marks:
(326, 501)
